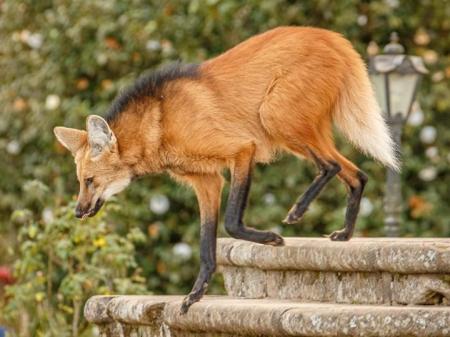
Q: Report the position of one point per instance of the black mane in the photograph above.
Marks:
(150, 85)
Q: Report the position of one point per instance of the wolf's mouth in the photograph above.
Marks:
(95, 209)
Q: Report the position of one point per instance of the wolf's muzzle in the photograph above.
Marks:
(82, 212)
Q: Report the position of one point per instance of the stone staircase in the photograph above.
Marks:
(310, 287)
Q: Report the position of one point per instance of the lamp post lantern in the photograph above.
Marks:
(395, 77)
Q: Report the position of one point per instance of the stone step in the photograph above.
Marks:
(361, 271)
(216, 316)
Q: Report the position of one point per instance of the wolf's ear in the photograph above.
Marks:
(100, 136)
(71, 139)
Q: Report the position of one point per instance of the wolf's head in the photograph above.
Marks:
(100, 170)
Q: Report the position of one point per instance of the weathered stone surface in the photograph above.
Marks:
(421, 289)
(362, 271)
(113, 329)
(237, 281)
(337, 287)
(95, 309)
(366, 288)
(136, 309)
(403, 256)
(353, 320)
(224, 316)
(385, 273)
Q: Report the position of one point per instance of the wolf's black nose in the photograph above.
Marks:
(79, 212)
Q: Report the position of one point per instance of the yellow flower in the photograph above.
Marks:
(66, 308)
(104, 291)
(32, 231)
(100, 242)
(39, 296)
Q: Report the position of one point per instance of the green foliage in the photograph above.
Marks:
(62, 264)
(61, 61)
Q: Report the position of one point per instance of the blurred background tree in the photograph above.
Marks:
(63, 60)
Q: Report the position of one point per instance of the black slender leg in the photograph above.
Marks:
(237, 201)
(208, 239)
(352, 211)
(327, 172)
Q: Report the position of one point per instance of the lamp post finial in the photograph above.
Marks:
(394, 47)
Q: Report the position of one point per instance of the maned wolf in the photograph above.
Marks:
(277, 91)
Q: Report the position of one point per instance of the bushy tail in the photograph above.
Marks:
(358, 116)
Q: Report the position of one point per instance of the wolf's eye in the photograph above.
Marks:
(89, 181)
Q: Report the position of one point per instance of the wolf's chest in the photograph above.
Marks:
(186, 164)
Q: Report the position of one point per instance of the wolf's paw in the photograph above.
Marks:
(341, 235)
(291, 218)
(275, 240)
(189, 300)
(295, 214)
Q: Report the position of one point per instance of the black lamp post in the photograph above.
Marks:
(395, 78)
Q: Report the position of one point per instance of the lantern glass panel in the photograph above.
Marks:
(379, 86)
(402, 89)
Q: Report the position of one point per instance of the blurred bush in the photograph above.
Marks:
(61, 61)
(62, 265)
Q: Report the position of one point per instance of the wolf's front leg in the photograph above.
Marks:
(208, 189)
(237, 202)
(207, 265)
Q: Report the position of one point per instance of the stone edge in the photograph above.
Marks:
(269, 317)
(402, 256)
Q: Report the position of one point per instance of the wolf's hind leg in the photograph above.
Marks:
(328, 169)
(355, 179)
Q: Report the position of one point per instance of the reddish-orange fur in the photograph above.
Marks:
(277, 91)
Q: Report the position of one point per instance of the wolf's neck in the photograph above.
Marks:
(138, 132)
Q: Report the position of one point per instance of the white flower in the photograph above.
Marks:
(47, 215)
(269, 198)
(392, 3)
(13, 147)
(159, 204)
(431, 152)
(428, 173)
(102, 59)
(366, 207)
(34, 40)
(52, 102)
(362, 20)
(428, 134)
(416, 117)
(182, 250)
(153, 45)
(438, 76)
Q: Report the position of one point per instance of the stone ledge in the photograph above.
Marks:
(158, 316)
(403, 256)
(362, 271)
(337, 287)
